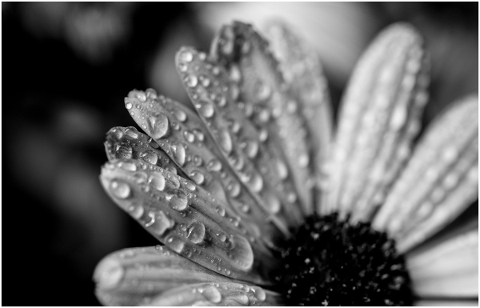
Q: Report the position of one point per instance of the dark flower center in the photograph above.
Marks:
(331, 262)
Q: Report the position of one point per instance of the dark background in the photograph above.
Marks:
(66, 68)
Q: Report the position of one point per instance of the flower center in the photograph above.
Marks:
(334, 263)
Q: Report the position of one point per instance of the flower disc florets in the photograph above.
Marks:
(331, 262)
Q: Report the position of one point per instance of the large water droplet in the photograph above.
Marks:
(179, 202)
(175, 244)
(282, 169)
(251, 148)
(186, 56)
(191, 81)
(241, 253)
(128, 105)
(197, 177)
(131, 132)
(189, 136)
(206, 109)
(160, 224)
(225, 141)
(235, 74)
(214, 165)
(212, 294)
(196, 232)
(255, 182)
(150, 157)
(127, 166)
(259, 293)
(120, 189)
(179, 154)
(234, 188)
(180, 115)
(158, 181)
(158, 126)
(273, 203)
(198, 133)
(136, 211)
(236, 161)
(263, 91)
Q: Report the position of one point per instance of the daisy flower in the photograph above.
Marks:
(255, 202)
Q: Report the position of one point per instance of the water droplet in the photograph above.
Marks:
(190, 186)
(251, 148)
(264, 115)
(182, 67)
(245, 208)
(136, 211)
(179, 154)
(189, 136)
(191, 81)
(160, 224)
(186, 56)
(179, 202)
(399, 117)
(282, 169)
(246, 47)
(260, 293)
(120, 189)
(158, 181)
(220, 100)
(205, 81)
(234, 92)
(127, 166)
(140, 96)
(241, 254)
(200, 136)
(263, 135)
(212, 294)
(158, 126)
(234, 188)
(255, 181)
(292, 106)
(216, 70)
(225, 141)
(197, 160)
(221, 211)
(263, 91)
(236, 161)
(175, 244)
(206, 109)
(450, 154)
(196, 232)
(180, 115)
(214, 165)
(202, 56)
(273, 203)
(197, 177)
(128, 105)
(109, 273)
(150, 157)
(131, 132)
(303, 160)
(235, 74)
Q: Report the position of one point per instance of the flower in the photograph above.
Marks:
(256, 205)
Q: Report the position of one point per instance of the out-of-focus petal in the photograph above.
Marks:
(446, 302)
(303, 74)
(262, 86)
(440, 180)
(447, 269)
(218, 294)
(182, 135)
(379, 117)
(133, 276)
(259, 167)
(187, 219)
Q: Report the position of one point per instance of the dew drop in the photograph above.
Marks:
(128, 166)
(303, 160)
(150, 157)
(141, 96)
(131, 132)
(182, 67)
(206, 109)
(175, 244)
(196, 232)
(179, 202)
(191, 81)
(158, 181)
(273, 203)
(216, 70)
(189, 136)
(180, 115)
(235, 74)
(179, 153)
(160, 224)
(251, 148)
(241, 254)
(255, 182)
(197, 160)
(225, 141)
(205, 82)
(234, 188)
(128, 105)
(212, 294)
(186, 56)
(220, 100)
(136, 211)
(120, 189)
(282, 169)
(158, 126)
(260, 293)
(197, 177)
(264, 115)
(200, 136)
(263, 91)
(263, 135)
(234, 92)
(214, 165)
(190, 186)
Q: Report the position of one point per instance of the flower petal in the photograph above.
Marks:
(440, 180)
(218, 294)
(447, 269)
(446, 302)
(187, 219)
(182, 135)
(239, 46)
(255, 162)
(133, 276)
(304, 76)
(379, 117)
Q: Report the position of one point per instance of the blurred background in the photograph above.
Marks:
(66, 68)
